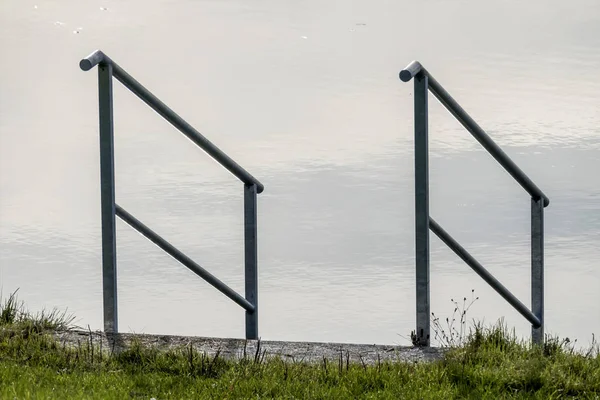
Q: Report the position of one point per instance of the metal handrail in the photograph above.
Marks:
(107, 69)
(98, 57)
(424, 83)
(478, 133)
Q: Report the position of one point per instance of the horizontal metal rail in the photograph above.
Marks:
(182, 258)
(482, 272)
(98, 57)
(478, 133)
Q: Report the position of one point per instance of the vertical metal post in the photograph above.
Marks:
(422, 209)
(107, 193)
(537, 267)
(251, 259)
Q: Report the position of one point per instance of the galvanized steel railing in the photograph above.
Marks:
(424, 82)
(107, 69)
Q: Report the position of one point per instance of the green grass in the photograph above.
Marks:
(491, 363)
(14, 316)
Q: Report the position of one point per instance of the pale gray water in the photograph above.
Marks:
(306, 96)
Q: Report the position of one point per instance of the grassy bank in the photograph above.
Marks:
(491, 363)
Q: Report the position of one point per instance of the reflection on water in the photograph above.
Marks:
(306, 96)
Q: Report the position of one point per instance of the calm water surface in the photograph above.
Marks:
(306, 96)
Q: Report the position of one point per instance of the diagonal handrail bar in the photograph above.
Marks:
(98, 57)
(182, 258)
(483, 273)
(478, 133)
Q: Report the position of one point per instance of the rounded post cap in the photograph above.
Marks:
(92, 60)
(410, 71)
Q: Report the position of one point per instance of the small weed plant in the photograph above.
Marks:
(452, 331)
